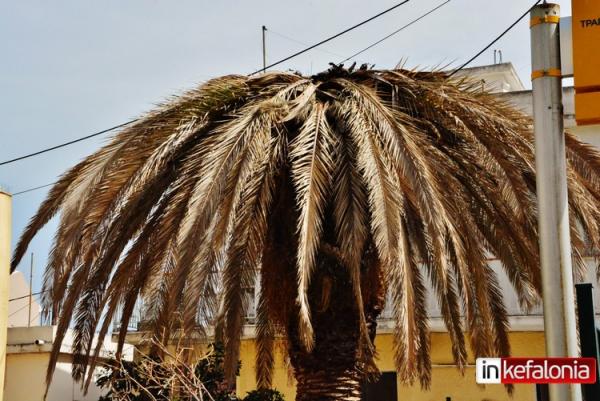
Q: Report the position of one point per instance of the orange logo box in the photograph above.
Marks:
(586, 60)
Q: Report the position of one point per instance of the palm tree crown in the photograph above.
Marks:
(286, 175)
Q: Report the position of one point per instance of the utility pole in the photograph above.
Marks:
(553, 209)
(30, 290)
(264, 48)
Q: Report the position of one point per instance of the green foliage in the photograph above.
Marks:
(129, 379)
(264, 395)
(210, 372)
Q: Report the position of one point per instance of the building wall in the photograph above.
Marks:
(523, 100)
(447, 381)
(26, 380)
(5, 228)
(27, 361)
(588, 133)
(282, 375)
(18, 310)
(25, 377)
(496, 78)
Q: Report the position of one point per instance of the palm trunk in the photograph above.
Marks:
(328, 385)
(334, 369)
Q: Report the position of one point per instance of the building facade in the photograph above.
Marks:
(28, 354)
(25, 346)
(5, 230)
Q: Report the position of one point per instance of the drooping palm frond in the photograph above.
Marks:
(268, 173)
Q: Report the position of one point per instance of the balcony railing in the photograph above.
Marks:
(510, 301)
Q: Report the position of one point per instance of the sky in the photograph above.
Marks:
(72, 68)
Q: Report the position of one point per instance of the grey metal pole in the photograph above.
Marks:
(553, 209)
(264, 48)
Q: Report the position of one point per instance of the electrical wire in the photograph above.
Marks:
(32, 189)
(396, 31)
(23, 307)
(337, 35)
(26, 296)
(281, 35)
(301, 52)
(83, 138)
(371, 45)
(255, 72)
(495, 40)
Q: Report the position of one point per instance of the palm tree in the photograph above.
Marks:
(338, 188)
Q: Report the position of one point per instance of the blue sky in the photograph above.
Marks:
(71, 68)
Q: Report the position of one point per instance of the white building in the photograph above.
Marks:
(28, 353)
(19, 308)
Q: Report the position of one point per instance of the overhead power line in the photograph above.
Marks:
(495, 40)
(62, 145)
(431, 11)
(23, 307)
(32, 189)
(297, 54)
(26, 296)
(255, 72)
(286, 37)
(337, 35)
(396, 31)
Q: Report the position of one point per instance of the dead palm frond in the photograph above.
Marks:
(182, 208)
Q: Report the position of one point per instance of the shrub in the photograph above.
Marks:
(170, 379)
(264, 395)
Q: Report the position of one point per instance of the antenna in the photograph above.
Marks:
(30, 290)
(264, 48)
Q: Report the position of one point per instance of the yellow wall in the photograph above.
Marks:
(26, 379)
(5, 227)
(26, 376)
(446, 380)
(282, 379)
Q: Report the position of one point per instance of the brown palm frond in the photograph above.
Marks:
(408, 297)
(249, 233)
(351, 226)
(265, 342)
(311, 163)
(296, 178)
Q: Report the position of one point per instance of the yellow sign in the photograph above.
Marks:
(586, 60)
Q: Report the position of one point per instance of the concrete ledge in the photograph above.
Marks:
(385, 326)
(28, 335)
(22, 340)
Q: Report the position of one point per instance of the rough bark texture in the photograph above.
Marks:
(330, 384)
(334, 370)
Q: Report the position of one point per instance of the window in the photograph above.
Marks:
(385, 389)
